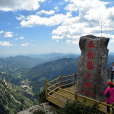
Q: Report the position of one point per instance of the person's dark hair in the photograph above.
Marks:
(112, 86)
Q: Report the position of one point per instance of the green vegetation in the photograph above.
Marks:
(48, 71)
(14, 99)
(14, 66)
(13, 63)
(3, 110)
(78, 107)
(42, 96)
(51, 70)
(19, 71)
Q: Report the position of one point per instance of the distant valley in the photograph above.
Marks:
(25, 76)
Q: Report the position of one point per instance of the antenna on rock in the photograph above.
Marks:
(101, 27)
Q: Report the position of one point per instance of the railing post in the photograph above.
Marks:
(107, 72)
(46, 89)
(113, 108)
(74, 79)
(59, 81)
(76, 94)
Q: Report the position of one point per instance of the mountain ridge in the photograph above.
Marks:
(12, 100)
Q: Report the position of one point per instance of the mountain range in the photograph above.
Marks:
(23, 77)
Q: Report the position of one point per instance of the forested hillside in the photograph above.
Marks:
(13, 63)
(48, 71)
(52, 69)
(13, 98)
(25, 78)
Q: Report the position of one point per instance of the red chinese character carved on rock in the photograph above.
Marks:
(86, 92)
(90, 55)
(88, 75)
(88, 85)
(89, 66)
(91, 45)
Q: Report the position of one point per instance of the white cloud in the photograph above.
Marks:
(34, 45)
(82, 5)
(5, 43)
(21, 37)
(57, 40)
(26, 44)
(108, 36)
(60, 30)
(14, 5)
(51, 12)
(72, 27)
(8, 34)
(1, 31)
(57, 37)
(75, 42)
(91, 12)
(56, 8)
(20, 17)
(68, 41)
(32, 20)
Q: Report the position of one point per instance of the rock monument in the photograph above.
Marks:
(92, 67)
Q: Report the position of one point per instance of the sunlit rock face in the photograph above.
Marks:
(92, 67)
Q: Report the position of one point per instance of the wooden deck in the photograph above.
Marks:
(60, 96)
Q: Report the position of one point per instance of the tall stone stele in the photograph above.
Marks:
(92, 64)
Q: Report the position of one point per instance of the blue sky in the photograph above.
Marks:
(45, 26)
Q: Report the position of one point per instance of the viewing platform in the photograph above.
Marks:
(63, 88)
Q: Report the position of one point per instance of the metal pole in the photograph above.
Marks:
(101, 27)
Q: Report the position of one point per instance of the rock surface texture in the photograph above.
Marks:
(43, 106)
(92, 67)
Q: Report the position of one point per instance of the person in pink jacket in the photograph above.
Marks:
(109, 94)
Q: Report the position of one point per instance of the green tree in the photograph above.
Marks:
(78, 107)
(42, 96)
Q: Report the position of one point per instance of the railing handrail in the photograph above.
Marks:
(76, 92)
(62, 77)
(59, 83)
(67, 76)
(67, 80)
(54, 80)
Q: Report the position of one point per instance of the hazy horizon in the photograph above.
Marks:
(8, 55)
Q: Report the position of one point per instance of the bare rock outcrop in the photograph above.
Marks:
(43, 106)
